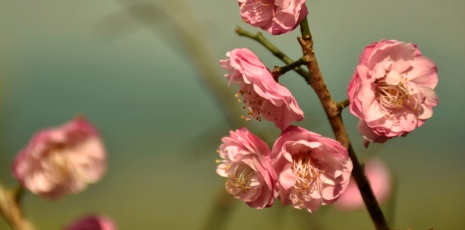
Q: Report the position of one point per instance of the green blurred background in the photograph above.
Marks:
(124, 65)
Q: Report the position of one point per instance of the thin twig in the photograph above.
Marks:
(272, 48)
(341, 105)
(278, 71)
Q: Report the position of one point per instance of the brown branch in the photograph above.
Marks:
(332, 111)
(10, 210)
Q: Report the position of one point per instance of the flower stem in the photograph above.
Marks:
(272, 48)
(278, 71)
(10, 209)
(341, 105)
(333, 112)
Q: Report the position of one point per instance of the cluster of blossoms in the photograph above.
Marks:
(391, 92)
(303, 168)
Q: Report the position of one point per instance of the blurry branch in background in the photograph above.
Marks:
(188, 33)
(10, 209)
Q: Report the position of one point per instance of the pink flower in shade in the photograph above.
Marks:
(380, 181)
(275, 16)
(392, 90)
(61, 160)
(92, 222)
(246, 164)
(262, 95)
(312, 170)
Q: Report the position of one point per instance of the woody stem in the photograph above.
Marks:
(333, 112)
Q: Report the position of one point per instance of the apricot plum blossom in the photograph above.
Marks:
(392, 90)
(312, 170)
(61, 160)
(246, 163)
(262, 95)
(275, 16)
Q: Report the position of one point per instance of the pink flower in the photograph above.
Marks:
(275, 16)
(61, 160)
(92, 222)
(246, 164)
(262, 95)
(392, 90)
(380, 182)
(312, 170)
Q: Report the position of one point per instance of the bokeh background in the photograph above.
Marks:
(137, 70)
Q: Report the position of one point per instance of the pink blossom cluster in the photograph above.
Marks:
(392, 90)
(303, 168)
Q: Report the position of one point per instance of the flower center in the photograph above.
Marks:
(240, 178)
(59, 165)
(308, 181)
(255, 104)
(391, 96)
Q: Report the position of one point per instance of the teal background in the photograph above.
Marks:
(137, 84)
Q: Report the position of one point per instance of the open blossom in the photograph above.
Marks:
(392, 90)
(274, 16)
(92, 222)
(61, 160)
(312, 170)
(381, 185)
(262, 95)
(246, 164)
